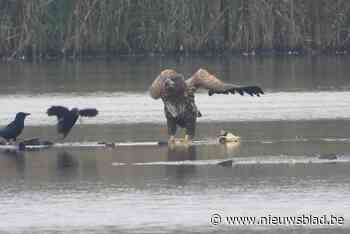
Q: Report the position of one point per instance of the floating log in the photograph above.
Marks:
(328, 156)
(226, 163)
(36, 144)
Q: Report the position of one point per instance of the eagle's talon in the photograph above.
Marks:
(187, 139)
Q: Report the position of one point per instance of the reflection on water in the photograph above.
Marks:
(182, 172)
(182, 153)
(14, 162)
(140, 189)
(65, 160)
(67, 164)
(68, 190)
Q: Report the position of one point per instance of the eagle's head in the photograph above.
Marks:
(175, 86)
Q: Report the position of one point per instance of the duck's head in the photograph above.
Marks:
(226, 137)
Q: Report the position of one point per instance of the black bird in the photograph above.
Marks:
(67, 118)
(177, 95)
(15, 128)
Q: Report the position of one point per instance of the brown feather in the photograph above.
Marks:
(203, 79)
(156, 87)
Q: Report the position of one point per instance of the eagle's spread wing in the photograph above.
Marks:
(59, 111)
(156, 87)
(88, 112)
(203, 79)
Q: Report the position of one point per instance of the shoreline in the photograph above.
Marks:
(176, 55)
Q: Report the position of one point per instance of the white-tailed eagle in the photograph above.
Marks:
(177, 95)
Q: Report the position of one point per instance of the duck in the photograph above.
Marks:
(226, 137)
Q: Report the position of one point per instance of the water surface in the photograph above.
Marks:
(276, 168)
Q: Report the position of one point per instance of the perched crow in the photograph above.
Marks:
(15, 128)
(177, 95)
(67, 118)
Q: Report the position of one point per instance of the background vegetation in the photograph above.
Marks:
(51, 28)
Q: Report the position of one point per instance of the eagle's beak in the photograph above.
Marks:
(170, 84)
(26, 114)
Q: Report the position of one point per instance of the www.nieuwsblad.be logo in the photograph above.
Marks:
(331, 219)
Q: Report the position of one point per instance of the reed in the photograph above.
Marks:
(59, 28)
